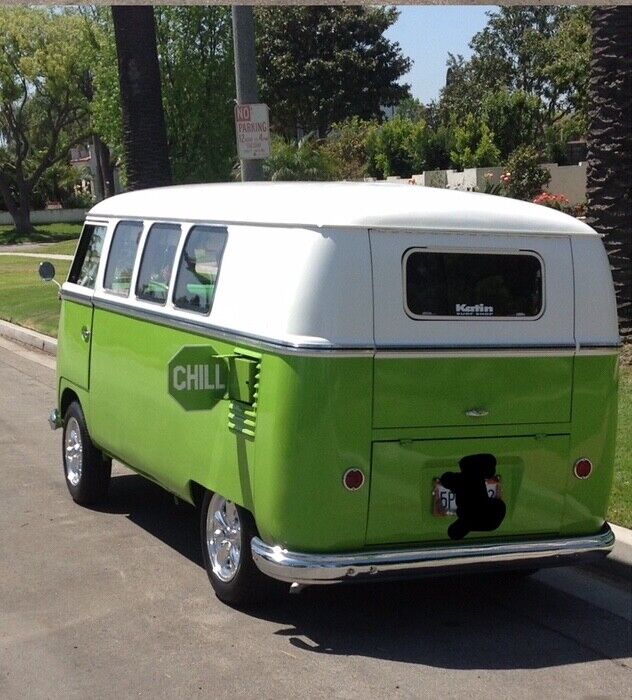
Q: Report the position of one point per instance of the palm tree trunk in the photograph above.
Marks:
(144, 131)
(609, 169)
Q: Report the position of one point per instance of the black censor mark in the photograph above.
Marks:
(475, 509)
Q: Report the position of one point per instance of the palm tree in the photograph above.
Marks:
(609, 171)
(144, 131)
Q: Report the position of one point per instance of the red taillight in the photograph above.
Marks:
(353, 479)
(583, 468)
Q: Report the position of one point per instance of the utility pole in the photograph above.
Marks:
(246, 75)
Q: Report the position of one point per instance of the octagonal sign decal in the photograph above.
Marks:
(197, 377)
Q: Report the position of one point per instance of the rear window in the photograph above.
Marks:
(199, 267)
(472, 285)
(156, 266)
(118, 272)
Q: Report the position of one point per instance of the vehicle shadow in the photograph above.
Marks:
(155, 510)
(497, 621)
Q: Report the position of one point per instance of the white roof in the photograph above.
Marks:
(341, 204)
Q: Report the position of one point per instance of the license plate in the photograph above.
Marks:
(444, 500)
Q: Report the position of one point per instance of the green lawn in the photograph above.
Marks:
(621, 501)
(25, 299)
(63, 248)
(44, 233)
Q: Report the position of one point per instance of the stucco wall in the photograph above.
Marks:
(49, 216)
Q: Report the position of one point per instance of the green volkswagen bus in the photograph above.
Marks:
(350, 380)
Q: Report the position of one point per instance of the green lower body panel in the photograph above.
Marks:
(533, 475)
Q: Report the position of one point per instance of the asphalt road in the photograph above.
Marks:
(114, 603)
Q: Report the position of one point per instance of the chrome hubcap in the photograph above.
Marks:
(223, 537)
(73, 451)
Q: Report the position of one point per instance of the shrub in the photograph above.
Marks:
(524, 178)
(346, 146)
(398, 147)
(302, 160)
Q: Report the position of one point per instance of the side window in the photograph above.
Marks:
(199, 267)
(86, 263)
(118, 271)
(480, 285)
(157, 262)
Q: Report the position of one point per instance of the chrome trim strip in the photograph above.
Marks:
(69, 295)
(417, 353)
(164, 318)
(599, 350)
(297, 567)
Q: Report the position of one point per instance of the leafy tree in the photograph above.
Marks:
(609, 172)
(463, 92)
(144, 131)
(473, 145)
(320, 65)
(516, 118)
(438, 147)
(486, 153)
(524, 178)
(43, 107)
(398, 147)
(464, 143)
(412, 109)
(347, 146)
(541, 51)
(197, 84)
(302, 160)
(198, 88)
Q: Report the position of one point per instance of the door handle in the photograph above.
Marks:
(85, 333)
(477, 412)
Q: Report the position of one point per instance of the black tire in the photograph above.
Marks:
(243, 584)
(87, 480)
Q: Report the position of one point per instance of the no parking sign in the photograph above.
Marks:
(252, 127)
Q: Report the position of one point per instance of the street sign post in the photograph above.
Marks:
(252, 126)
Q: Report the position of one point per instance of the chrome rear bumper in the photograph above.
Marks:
(296, 567)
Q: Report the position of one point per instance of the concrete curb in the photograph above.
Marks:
(617, 563)
(32, 339)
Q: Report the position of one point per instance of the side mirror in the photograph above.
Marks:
(47, 272)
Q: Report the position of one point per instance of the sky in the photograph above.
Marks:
(427, 33)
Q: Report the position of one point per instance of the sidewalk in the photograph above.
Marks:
(618, 563)
(41, 256)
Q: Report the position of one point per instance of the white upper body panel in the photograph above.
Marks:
(342, 205)
(320, 264)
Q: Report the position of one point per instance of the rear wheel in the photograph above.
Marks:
(226, 531)
(86, 469)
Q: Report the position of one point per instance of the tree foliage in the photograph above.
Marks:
(198, 87)
(321, 65)
(528, 68)
(43, 103)
(398, 147)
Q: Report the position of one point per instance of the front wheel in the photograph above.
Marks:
(86, 468)
(226, 530)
